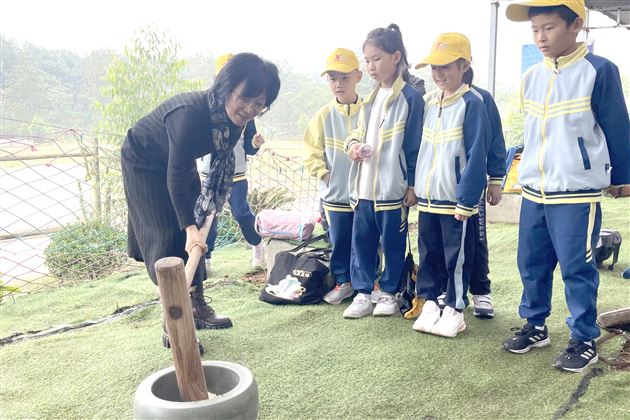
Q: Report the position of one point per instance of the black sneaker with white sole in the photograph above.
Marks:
(526, 338)
(577, 357)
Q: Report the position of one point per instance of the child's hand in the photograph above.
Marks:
(460, 217)
(353, 152)
(258, 140)
(410, 199)
(618, 192)
(494, 194)
(326, 178)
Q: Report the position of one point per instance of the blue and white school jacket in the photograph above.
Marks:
(577, 135)
(323, 154)
(399, 140)
(451, 166)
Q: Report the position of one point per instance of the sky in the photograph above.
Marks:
(299, 33)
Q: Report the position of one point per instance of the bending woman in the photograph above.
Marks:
(160, 175)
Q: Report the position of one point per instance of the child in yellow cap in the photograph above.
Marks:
(248, 145)
(577, 143)
(381, 184)
(324, 159)
(450, 179)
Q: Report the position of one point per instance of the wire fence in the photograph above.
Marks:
(63, 213)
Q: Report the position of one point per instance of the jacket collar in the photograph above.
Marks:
(350, 109)
(567, 60)
(397, 87)
(434, 97)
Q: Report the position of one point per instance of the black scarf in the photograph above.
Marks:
(218, 183)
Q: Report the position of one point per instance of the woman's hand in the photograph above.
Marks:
(258, 140)
(410, 199)
(494, 195)
(193, 239)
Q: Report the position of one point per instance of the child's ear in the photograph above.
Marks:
(397, 57)
(359, 75)
(577, 25)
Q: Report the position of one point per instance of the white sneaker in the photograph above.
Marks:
(428, 317)
(482, 306)
(258, 256)
(361, 306)
(451, 323)
(387, 305)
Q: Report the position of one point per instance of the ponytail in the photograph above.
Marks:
(390, 40)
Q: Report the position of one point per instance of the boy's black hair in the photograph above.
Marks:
(390, 40)
(260, 77)
(564, 12)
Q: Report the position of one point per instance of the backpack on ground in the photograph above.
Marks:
(608, 243)
(299, 277)
(283, 224)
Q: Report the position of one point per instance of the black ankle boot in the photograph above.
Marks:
(205, 317)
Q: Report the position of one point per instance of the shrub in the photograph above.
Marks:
(85, 251)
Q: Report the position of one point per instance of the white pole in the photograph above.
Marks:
(494, 19)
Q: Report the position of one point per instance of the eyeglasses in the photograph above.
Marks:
(257, 105)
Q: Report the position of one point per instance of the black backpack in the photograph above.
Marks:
(609, 243)
(299, 278)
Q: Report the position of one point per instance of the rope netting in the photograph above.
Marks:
(63, 214)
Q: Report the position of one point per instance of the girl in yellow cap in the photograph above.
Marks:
(450, 178)
(381, 183)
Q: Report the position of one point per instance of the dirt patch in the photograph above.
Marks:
(624, 356)
(259, 278)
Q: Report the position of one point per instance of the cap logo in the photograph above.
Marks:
(338, 57)
(442, 46)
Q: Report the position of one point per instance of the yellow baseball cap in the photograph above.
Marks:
(341, 60)
(221, 62)
(518, 11)
(447, 48)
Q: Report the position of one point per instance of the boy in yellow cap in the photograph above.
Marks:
(247, 145)
(450, 179)
(577, 143)
(324, 158)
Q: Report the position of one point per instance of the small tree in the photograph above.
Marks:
(148, 73)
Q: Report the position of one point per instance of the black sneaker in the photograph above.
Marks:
(577, 357)
(526, 338)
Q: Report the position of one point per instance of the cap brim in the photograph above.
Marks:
(518, 12)
(340, 68)
(437, 59)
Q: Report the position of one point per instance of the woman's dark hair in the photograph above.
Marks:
(260, 77)
(564, 12)
(390, 40)
(468, 76)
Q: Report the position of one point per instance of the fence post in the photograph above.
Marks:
(96, 188)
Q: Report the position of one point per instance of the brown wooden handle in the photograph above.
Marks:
(196, 253)
(181, 329)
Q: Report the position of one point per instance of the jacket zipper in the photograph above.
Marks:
(438, 128)
(543, 129)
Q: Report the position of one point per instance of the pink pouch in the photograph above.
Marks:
(283, 224)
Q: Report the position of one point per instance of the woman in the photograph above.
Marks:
(160, 175)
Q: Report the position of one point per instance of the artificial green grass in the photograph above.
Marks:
(308, 361)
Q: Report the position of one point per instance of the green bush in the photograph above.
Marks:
(85, 251)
